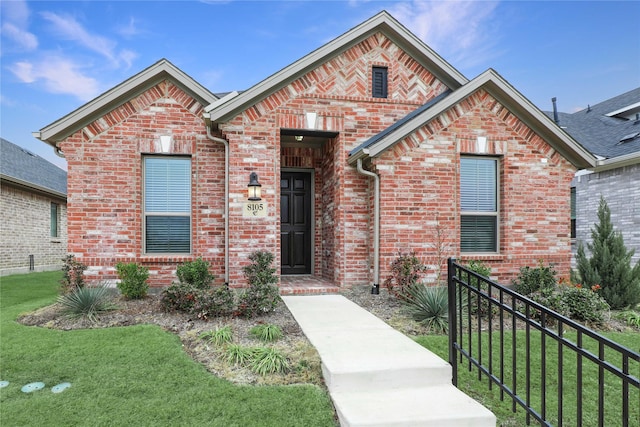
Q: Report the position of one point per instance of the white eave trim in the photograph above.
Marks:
(33, 187)
(617, 162)
(119, 94)
(495, 85)
(623, 110)
(382, 22)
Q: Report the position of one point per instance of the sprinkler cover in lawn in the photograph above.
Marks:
(60, 387)
(3, 384)
(32, 387)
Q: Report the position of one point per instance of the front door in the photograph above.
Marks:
(295, 222)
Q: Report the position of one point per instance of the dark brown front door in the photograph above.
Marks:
(295, 222)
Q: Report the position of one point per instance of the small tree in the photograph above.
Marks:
(610, 263)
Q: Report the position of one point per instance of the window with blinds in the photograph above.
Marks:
(379, 82)
(167, 204)
(573, 212)
(479, 204)
(54, 219)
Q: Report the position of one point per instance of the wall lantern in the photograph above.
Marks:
(165, 143)
(254, 188)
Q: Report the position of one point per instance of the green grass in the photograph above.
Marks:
(137, 375)
(469, 383)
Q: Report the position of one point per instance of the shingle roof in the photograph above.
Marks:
(21, 166)
(601, 134)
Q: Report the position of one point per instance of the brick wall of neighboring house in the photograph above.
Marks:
(621, 189)
(420, 192)
(105, 183)
(26, 230)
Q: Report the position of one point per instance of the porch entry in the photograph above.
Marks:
(295, 223)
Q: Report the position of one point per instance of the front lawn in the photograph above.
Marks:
(135, 375)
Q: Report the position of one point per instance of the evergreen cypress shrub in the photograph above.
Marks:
(610, 263)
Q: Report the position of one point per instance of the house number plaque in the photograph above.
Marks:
(255, 210)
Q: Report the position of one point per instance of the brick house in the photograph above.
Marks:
(370, 145)
(610, 130)
(33, 209)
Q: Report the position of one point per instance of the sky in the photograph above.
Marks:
(57, 55)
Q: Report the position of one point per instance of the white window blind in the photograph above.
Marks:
(479, 204)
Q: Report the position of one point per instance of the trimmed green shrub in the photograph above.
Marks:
(133, 280)
(267, 360)
(72, 274)
(203, 303)
(86, 302)
(266, 333)
(610, 263)
(585, 305)
(218, 336)
(179, 297)
(535, 279)
(428, 305)
(263, 295)
(195, 273)
(406, 270)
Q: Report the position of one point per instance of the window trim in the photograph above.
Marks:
(166, 214)
(573, 208)
(493, 214)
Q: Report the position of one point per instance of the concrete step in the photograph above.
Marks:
(438, 406)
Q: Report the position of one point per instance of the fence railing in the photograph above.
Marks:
(555, 369)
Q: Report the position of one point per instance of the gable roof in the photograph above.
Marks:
(27, 170)
(608, 129)
(504, 93)
(121, 93)
(383, 23)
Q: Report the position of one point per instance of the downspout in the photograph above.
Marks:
(375, 289)
(226, 201)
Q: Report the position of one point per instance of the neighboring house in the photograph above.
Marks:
(33, 209)
(610, 130)
(370, 145)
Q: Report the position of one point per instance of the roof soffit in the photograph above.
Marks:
(383, 23)
(508, 96)
(129, 89)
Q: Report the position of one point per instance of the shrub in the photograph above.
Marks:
(262, 296)
(195, 273)
(213, 302)
(133, 280)
(73, 274)
(266, 333)
(86, 302)
(550, 299)
(266, 360)
(179, 297)
(406, 270)
(428, 305)
(483, 270)
(585, 304)
(535, 279)
(218, 336)
(610, 263)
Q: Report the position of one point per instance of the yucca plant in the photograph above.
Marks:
(267, 360)
(428, 305)
(266, 332)
(87, 302)
(218, 336)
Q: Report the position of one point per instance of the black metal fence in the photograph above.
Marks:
(557, 370)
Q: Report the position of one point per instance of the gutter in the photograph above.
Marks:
(226, 201)
(375, 289)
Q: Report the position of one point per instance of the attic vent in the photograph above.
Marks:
(629, 137)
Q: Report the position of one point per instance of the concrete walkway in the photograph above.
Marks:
(376, 375)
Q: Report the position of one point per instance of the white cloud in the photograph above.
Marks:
(58, 75)
(462, 32)
(69, 28)
(15, 24)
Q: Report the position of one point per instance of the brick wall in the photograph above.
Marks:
(26, 230)
(620, 188)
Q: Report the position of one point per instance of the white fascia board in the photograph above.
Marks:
(128, 89)
(382, 22)
(617, 162)
(221, 101)
(623, 110)
(495, 85)
(33, 187)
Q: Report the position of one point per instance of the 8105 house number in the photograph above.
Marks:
(255, 210)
